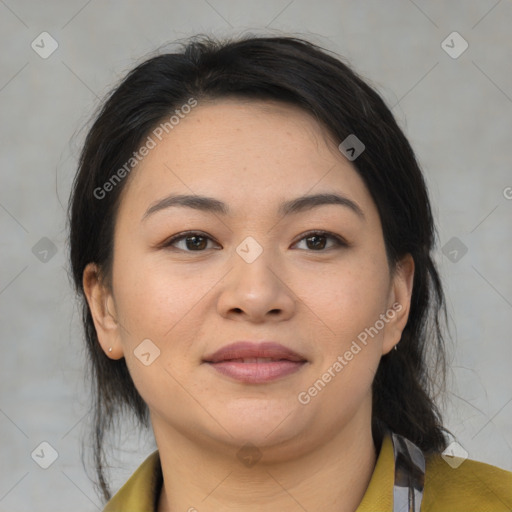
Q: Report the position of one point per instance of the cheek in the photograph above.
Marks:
(158, 302)
(152, 296)
(347, 350)
(347, 345)
(353, 295)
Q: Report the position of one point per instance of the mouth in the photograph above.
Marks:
(255, 362)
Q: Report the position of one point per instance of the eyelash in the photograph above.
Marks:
(339, 242)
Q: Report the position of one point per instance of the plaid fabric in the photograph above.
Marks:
(409, 475)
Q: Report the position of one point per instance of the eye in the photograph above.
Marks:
(316, 240)
(193, 241)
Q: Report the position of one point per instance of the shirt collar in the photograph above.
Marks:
(142, 490)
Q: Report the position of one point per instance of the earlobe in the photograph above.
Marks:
(102, 307)
(400, 302)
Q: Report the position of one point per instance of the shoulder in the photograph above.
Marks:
(465, 485)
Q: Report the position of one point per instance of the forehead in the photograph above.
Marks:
(246, 153)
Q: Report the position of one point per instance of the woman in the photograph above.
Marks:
(251, 237)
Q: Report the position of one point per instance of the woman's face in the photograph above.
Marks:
(253, 273)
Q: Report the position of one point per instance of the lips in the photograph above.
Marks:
(255, 363)
(248, 352)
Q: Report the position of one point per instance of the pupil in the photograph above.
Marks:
(196, 244)
(316, 244)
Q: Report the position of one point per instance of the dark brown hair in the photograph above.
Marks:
(296, 71)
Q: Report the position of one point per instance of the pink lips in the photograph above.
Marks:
(255, 362)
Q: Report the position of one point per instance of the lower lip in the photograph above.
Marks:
(255, 373)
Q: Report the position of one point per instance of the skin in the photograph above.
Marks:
(252, 155)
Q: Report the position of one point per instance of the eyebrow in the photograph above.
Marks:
(297, 205)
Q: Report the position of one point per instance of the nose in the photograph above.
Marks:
(256, 291)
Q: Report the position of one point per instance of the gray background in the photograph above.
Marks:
(456, 112)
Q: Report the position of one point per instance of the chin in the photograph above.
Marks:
(263, 423)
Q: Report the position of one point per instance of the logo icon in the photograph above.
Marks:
(44, 250)
(249, 455)
(146, 352)
(454, 249)
(44, 455)
(454, 455)
(249, 250)
(44, 45)
(454, 45)
(351, 147)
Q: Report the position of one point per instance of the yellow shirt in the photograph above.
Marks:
(471, 487)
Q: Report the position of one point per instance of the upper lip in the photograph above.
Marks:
(248, 349)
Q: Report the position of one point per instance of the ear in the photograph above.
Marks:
(399, 303)
(102, 306)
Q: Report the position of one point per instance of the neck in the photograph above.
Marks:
(332, 477)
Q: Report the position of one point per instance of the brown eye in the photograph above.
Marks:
(317, 240)
(195, 242)
(191, 241)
